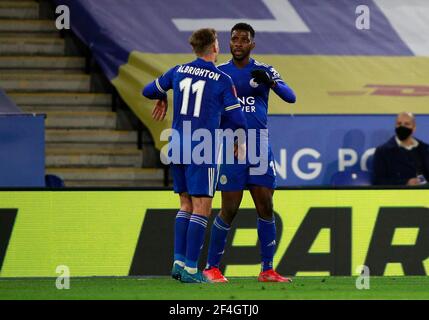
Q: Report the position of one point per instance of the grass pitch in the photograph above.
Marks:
(237, 289)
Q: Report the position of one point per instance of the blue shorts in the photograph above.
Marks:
(237, 177)
(198, 181)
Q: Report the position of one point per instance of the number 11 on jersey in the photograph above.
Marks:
(198, 88)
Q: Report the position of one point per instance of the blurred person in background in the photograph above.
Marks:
(404, 159)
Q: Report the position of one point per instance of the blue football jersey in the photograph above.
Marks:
(202, 93)
(253, 97)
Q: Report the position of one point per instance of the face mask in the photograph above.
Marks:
(403, 133)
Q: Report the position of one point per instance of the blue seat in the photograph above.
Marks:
(53, 181)
(351, 178)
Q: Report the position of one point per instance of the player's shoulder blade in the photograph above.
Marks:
(223, 75)
(182, 68)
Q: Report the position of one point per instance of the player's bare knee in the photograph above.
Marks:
(265, 211)
(186, 202)
(227, 216)
(202, 205)
(186, 206)
(268, 216)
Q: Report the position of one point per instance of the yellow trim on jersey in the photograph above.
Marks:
(235, 106)
(159, 86)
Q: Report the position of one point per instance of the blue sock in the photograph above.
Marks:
(180, 232)
(195, 239)
(218, 236)
(267, 238)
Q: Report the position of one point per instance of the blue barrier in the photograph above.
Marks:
(7, 105)
(22, 146)
(22, 150)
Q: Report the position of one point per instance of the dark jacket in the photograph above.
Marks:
(393, 166)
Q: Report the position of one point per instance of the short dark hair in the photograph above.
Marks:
(244, 26)
(202, 39)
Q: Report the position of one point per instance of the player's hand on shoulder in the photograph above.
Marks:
(160, 110)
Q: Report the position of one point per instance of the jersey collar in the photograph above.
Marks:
(207, 63)
(247, 66)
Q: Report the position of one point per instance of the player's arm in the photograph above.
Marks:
(233, 113)
(157, 90)
(154, 91)
(284, 92)
(160, 110)
(272, 79)
(233, 118)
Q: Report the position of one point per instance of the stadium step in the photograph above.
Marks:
(25, 26)
(39, 71)
(21, 28)
(51, 108)
(30, 34)
(12, 9)
(90, 139)
(18, 82)
(109, 176)
(92, 145)
(82, 145)
(41, 64)
(93, 157)
(83, 136)
(48, 46)
(84, 119)
(61, 98)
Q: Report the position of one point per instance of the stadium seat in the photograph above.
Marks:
(351, 178)
(53, 181)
